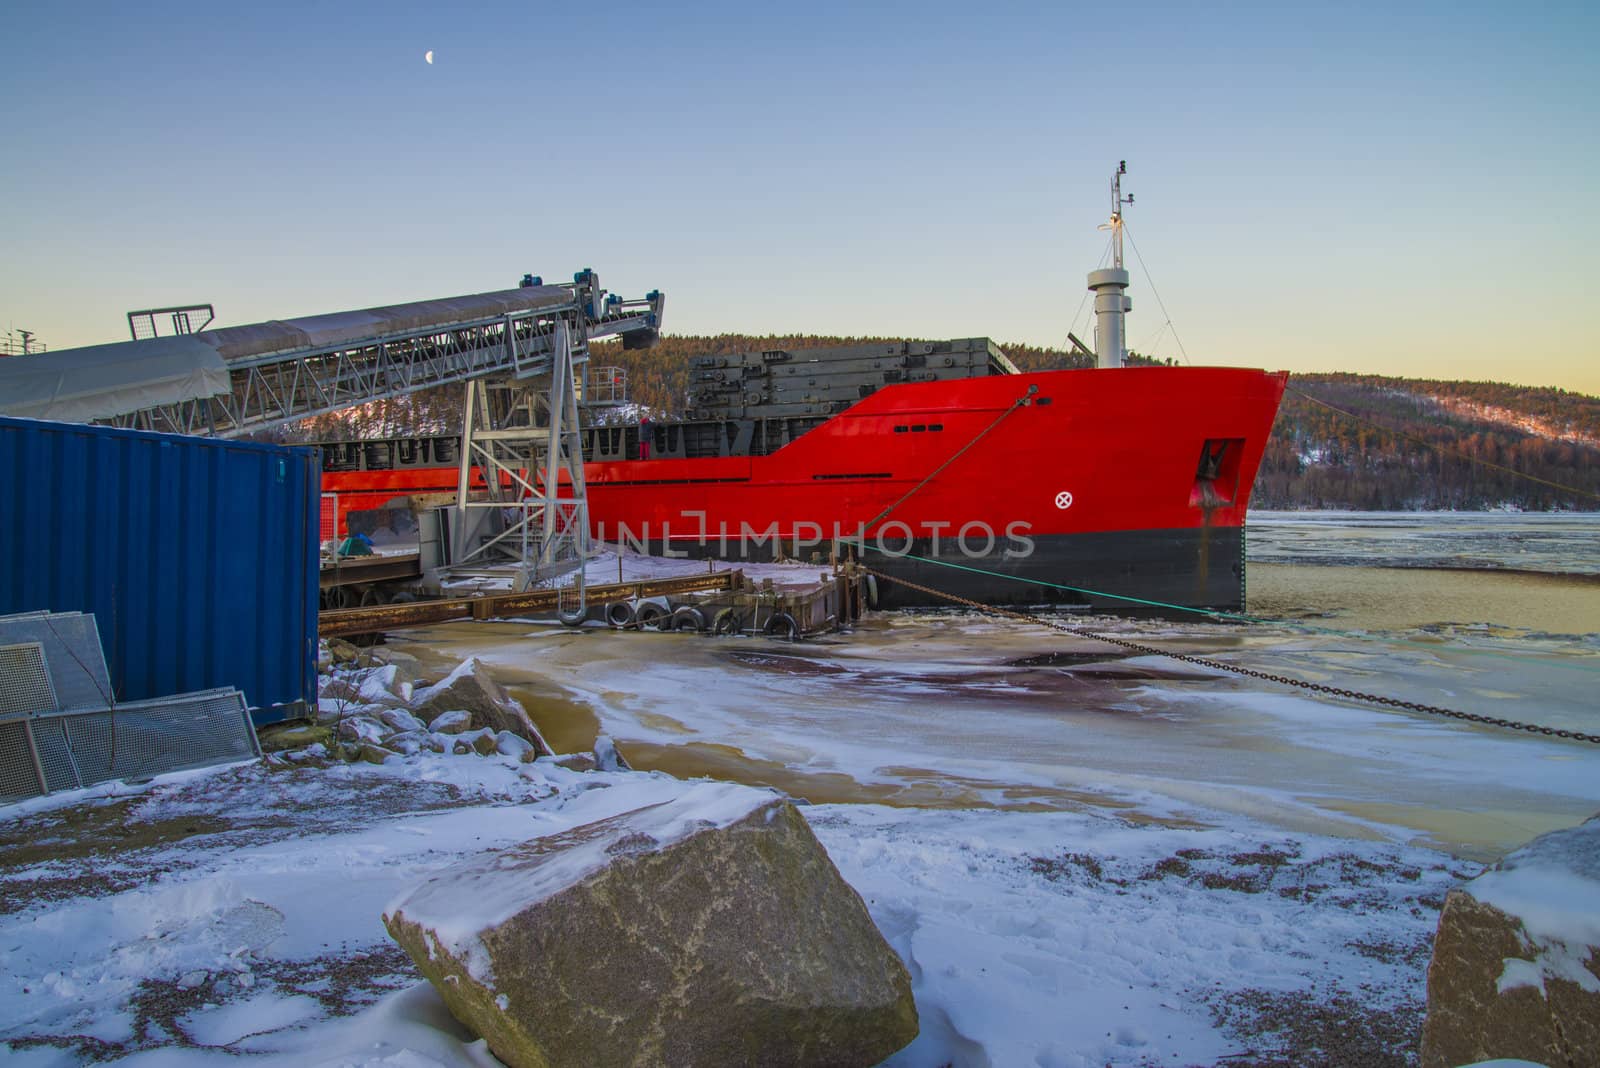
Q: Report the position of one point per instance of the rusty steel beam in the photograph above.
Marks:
(353, 569)
(347, 621)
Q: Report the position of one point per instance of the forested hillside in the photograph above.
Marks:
(1425, 444)
(1394, 443)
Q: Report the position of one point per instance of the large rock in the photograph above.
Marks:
(469, 687)
(368, 686)
(343, 652)
(456, 721)
(278, 739)
(1516, 961)
(515, 745)
(482, 741)
(398, 719)
(363, 729)
(708, 930)
(409, 667)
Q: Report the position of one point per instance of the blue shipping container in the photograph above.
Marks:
(198, 557)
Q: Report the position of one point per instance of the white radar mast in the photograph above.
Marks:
(1109, 284)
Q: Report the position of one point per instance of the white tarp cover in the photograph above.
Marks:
(102, 381)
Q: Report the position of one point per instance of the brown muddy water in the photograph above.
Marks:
(946, 709)
(1398, 599)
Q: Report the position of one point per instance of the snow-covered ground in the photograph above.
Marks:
(212, 915)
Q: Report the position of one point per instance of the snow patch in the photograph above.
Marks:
(1518, 972)
(1552, 886)
(225, 1025)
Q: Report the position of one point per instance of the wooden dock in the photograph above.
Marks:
(721, 602)
(377, 618)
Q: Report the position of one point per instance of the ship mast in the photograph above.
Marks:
(1109, 284)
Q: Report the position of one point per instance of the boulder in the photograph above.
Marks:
(369, 686)
(482, 741)
(437, 743)
(362, 729)
(708, 930)
(385, 685)
(470, 687)
(343, 652)
(408, 743)
(515, 745)
(408, 666)
(278, 739)
(454, 722)
(336, 689)
(330, 711)
(377, 754)
(398, 719)
(1516, 960)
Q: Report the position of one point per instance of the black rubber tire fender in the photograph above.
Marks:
(872, 592)
(573, 619)
(727, 621)
(651, 614)
(689, 619)
(781, 625)
(619, 614)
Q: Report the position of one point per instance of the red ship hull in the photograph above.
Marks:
(1122, 489)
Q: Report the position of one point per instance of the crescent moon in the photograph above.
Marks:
(428, 55)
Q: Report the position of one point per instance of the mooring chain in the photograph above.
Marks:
(1218, 665)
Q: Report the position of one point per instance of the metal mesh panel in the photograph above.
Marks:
(18, 779)
(71, 643)
(145, 738)
(55, 753)
(25, 680)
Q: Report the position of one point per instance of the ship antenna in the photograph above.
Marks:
(1109, 285)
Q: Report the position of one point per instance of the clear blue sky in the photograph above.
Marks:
(1405, 189)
